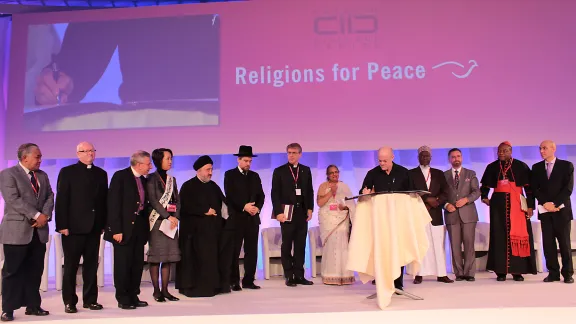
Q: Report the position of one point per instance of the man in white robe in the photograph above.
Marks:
(433, 180)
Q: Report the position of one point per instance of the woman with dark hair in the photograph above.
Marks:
(163, 196)
(334, 218)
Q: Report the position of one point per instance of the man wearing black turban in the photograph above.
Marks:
(201, 220)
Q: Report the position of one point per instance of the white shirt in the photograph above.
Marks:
(454, 172)
(549, 165)
(30, 178)
(136, 174)
(426, 172)
(242, 171)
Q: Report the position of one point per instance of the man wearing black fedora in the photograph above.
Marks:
(245, 198)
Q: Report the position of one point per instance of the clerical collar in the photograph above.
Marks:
(88, 166)
(294, 165)
(136, 174)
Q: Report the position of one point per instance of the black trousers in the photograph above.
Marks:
(22, 274)
(294, 234)
(225, 253)
(129, 263)
(554, 228)
(78, 246)
(246, 232)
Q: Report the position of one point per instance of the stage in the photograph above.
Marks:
(482, 301)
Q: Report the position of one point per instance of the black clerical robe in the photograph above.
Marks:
(501, 258)
(198, 272)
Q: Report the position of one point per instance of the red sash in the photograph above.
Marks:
(519, 240)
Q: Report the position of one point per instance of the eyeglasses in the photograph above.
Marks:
(87, 151)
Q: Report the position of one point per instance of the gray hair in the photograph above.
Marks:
(138, 156)
(25, 149)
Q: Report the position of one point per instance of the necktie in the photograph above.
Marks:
(456, 178)
(244, 172)
(34, 182)
(140, 192)
(548, 169)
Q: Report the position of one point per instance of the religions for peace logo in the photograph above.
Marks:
(462, 68)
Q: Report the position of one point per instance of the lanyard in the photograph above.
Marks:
(295, 177)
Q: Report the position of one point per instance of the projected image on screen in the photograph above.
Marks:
(136, 73)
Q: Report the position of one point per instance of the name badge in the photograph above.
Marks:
(298, 192)
(171, 208)
(333, 207)
(503, 182)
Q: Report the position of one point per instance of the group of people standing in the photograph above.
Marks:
(203, 229)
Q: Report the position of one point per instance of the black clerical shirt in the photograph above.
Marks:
(397, 180)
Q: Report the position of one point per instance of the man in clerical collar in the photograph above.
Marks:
(293, 202)
(128, 228)
(81, 210)
(430, 179)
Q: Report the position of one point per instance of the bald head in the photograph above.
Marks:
(86, 152)
(385, 158)
(548, 150)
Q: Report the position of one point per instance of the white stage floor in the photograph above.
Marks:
(483, 301)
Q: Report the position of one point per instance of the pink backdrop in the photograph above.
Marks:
(508, 75)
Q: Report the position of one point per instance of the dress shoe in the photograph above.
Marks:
(168, 296)
(250, 286)
(518, 277)
(159, 298)
(126, 306)
(236, 287)
(460, 278)
(290, 282)
(444, 279)
(568, 280)
(225, 290)
(501, 278)
(7, 316)
(70, 309)
(417, 280)
(37, 311)
(303, 281)
(399, 288)
(140, 303)
(468, 278)
(93, 306)
(551, 279)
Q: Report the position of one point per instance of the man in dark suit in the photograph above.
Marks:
(245, 197)
(292, 191)
(128, 228)
(80, 218)
(461, 216)
(388, 176)
(28, 206)
(552, 184)
(429, 179)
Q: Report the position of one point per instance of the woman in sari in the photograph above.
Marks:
(334, 219)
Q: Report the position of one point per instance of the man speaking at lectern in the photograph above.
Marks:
(388, 176)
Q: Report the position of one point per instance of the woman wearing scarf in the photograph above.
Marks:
(163, 196)
(334, 221)
(511, 205)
